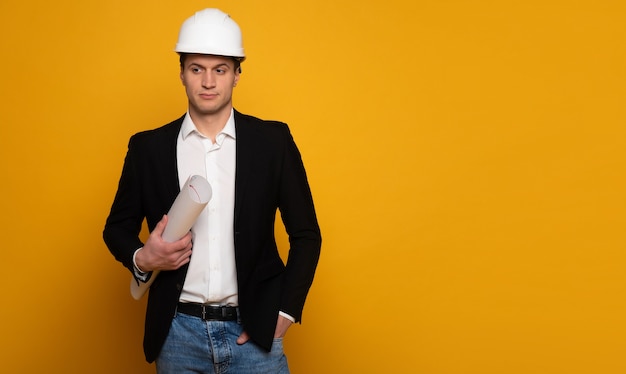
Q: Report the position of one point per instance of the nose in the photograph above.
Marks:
(208, 80)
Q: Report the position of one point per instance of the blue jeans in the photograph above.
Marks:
(197, 346)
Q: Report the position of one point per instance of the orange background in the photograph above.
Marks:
(466, 159)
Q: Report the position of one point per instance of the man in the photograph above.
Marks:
(223, 299)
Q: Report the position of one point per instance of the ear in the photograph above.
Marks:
(236, 78)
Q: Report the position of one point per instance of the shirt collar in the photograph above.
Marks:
(188, 127)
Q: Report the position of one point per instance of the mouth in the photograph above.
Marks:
(208, 96)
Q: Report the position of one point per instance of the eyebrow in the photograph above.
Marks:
(205, 67)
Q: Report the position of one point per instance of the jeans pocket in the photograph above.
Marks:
(277, 346)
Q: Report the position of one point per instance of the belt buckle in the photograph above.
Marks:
(203, 312)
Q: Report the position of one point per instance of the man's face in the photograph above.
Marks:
(209, 82)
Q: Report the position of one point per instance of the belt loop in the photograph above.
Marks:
(204, 312)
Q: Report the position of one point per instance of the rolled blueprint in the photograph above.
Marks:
(189, 203)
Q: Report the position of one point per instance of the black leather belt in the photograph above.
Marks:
(209, 312)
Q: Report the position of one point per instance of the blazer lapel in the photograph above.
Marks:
(244, 158)
(167, 158)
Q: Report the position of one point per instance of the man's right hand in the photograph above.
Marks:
(157, 254)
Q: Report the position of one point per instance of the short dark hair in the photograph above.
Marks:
(236, 60)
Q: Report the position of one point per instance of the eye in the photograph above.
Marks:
(195, 69)
(220, 71)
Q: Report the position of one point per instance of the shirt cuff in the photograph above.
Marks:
(293, 320)
(139, 274)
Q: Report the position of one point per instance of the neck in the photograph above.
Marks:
(210, 125)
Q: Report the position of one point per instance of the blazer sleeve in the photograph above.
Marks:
(300, 220)
(123, 225)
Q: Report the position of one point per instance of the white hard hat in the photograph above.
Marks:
(210, 32)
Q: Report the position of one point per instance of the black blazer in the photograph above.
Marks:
(269, 175)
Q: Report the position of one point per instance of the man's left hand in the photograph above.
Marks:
(281, 329)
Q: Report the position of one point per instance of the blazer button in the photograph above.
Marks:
(179, 286)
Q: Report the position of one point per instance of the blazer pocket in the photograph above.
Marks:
(269, 270)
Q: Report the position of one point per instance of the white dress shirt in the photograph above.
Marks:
(212, 274)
